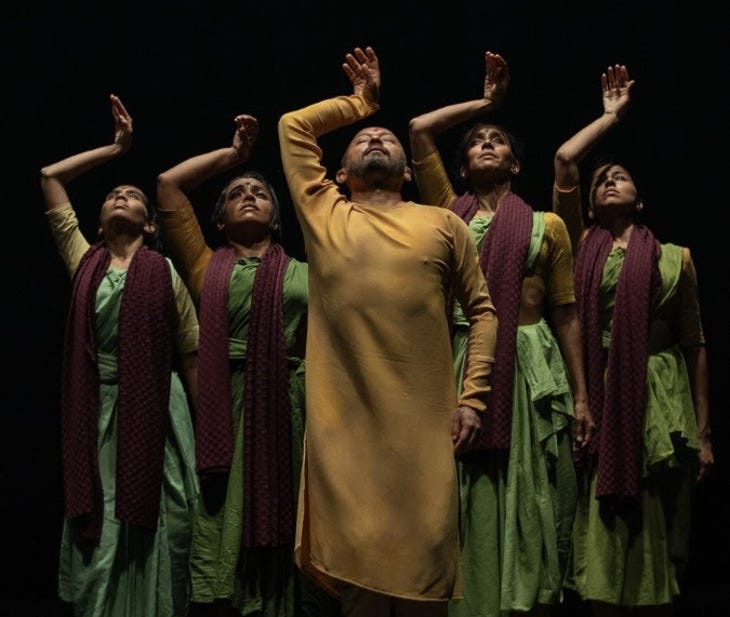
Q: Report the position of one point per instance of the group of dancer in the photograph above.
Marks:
(462, 406)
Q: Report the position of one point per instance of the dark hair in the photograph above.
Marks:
(607, 159)
(516, 145)
(220, 204)
(151, 240)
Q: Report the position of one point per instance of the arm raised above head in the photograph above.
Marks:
(56, 176)
(616, 92)
(173, 184)
(424, 129)
(298, 130)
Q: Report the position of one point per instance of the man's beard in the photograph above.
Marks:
(379, 166)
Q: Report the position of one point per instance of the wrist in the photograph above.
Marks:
(490, 104)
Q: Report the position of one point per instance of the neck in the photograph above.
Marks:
(123, 248)
(490, 196)
(251, 247)
(377, 196)
(620, 230)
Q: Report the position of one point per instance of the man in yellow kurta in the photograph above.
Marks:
(378, 508)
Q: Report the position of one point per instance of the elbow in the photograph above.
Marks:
(47, 178)
(416, 125)
(164, 181)
(285, 120)
(562, 160)
(564, 316)
(46, 175)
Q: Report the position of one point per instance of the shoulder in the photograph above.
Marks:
(553, 221)
(295, 264)
(555, 228)
(675, 251)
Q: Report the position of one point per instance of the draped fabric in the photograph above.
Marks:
(213, 426)
(268, 507)
(145, 362)
(617, 383)
(502, 260)
(268, 515)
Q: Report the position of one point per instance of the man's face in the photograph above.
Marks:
(375, 149)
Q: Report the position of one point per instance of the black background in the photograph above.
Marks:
(185, 69)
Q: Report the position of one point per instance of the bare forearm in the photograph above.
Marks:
(425, 128)
(73, 166)
(439, 120)
(55, 176)
(192, 172)
(568, 332)
(572, 151)
(696, 358)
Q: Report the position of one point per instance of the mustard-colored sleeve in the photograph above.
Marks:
(301, 156)
(434, 184)
(470, 289)
(187, 318)
(559, 287)
(183, 241)
(567, 205)
(69, 240)
(690, 325)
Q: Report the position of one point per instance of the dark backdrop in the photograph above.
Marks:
(185, 69)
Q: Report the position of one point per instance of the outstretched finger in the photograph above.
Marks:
(119, 107)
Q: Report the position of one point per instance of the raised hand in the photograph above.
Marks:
(363, 71)
(496, 78)
(247, 131)
(616, 89)
(122, 123)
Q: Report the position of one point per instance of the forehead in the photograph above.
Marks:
(375, 131)
(246, 182)
(610, 169)
(127, 188)
(487, 130)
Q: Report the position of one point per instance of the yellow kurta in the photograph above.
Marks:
(378, 497)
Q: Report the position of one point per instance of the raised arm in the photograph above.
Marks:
(173, 184)
(424, 129)
(616, 90)
(363, 70)
(301, 155)
(56, 176)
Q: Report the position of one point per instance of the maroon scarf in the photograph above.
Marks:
(268, 508)
(619, 403)
(502, 260)
(145, 343)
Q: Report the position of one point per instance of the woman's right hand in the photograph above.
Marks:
(496, 79)
(247, 131)
(616, 89)
(122, 124)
